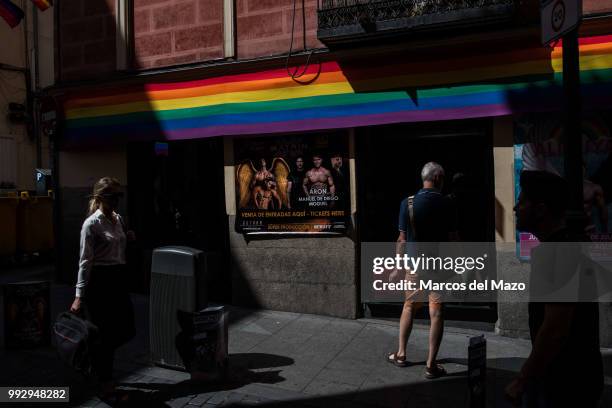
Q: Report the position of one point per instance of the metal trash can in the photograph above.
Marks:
(178, 282)
(202, 342)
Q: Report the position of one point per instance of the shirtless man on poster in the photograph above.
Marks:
(262, 174)
(266, 197)
(318, 180)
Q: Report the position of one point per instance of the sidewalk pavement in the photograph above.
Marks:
(289, 359)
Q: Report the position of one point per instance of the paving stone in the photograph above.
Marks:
(201, 399)
(233, 398)
(351, 375)
(179, 402)
(312, 361)
(271, 324)
(159, 372)
(269, 392)
(147, 379)
(319, 387)
(91, 403)
(242, 341)
(130, 378)
(218, 398)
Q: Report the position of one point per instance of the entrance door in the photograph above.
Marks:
(176, 196)
(389, 162)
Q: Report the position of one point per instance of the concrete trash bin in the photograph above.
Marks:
(178, 282)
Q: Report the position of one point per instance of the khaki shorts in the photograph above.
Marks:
(421, 296)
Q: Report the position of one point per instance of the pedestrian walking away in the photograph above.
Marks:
(425, 217)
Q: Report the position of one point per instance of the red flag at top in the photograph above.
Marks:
(43, 4)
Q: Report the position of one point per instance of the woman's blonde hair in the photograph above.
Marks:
(103, 186)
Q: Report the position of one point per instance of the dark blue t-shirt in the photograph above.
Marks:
(433, 217)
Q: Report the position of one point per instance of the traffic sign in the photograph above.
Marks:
(558, 17)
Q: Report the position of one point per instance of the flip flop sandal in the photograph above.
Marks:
(397, 361)
(436, 371)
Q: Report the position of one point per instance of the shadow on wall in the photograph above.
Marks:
(175, 188)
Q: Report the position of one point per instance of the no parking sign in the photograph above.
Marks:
(558, 17)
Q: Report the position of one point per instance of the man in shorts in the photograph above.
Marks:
(432, 221)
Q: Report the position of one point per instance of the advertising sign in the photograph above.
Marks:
(292, 184)
(538, 146)
(26, 314)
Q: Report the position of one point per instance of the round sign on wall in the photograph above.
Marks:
(558, 16)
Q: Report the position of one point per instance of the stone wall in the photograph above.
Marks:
(172, 32)
(306, 275)
(513, 319)
(87, 36)
(264, 27)
(597, 6)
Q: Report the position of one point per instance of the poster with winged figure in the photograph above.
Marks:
(292, 184)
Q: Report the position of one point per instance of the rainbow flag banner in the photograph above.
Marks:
(341, 95)
(10, 13)
(43, 4)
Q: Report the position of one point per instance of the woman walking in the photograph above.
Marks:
(101, 289)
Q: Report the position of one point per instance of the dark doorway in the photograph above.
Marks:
(389, 163)
(176, 196)
(390, 159)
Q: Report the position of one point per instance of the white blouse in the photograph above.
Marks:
(102, 243)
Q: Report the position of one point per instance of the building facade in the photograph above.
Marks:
(181, 100)
(25, 48)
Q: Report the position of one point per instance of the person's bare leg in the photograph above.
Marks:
(405, 327)
(436, 331)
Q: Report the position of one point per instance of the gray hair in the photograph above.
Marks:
(431, 171)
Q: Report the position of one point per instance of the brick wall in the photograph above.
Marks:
(87, 38)
(597, 6)
(264, 27)
(171, 32)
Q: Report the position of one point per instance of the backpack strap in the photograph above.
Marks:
(410, 203)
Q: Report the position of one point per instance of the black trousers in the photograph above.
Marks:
(110, 308)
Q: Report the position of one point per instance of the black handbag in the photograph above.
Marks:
(74, 338)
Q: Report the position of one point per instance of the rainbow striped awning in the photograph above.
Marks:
(341, 95)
